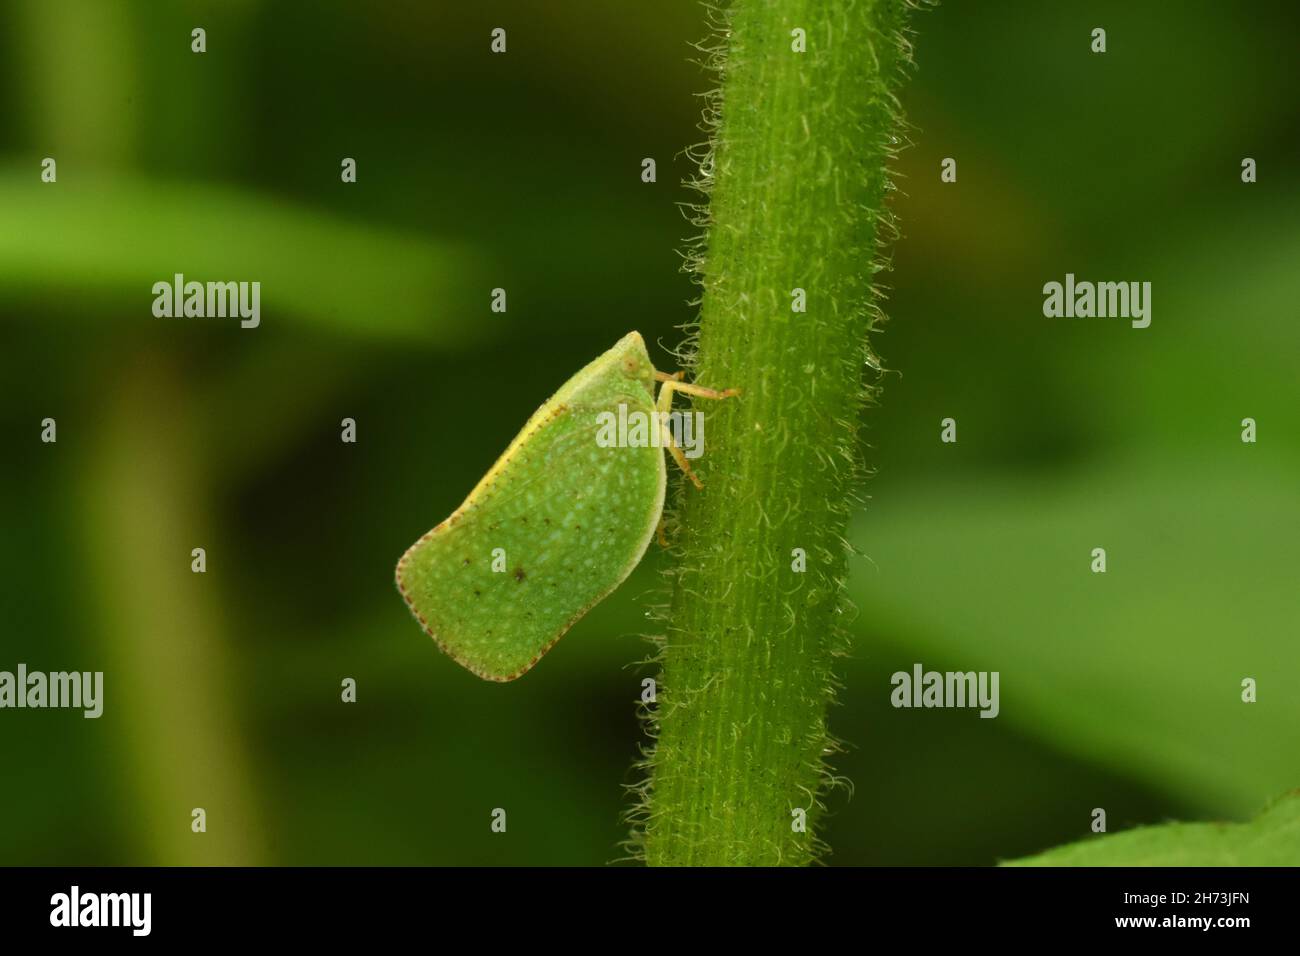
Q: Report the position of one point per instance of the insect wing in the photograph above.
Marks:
(555, 526)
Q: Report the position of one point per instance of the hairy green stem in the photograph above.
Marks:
(796, 172)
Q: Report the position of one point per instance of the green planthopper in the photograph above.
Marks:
(557, 523)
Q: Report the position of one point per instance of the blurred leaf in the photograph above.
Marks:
(1272, 839)
(117, 237)
(1138, 668)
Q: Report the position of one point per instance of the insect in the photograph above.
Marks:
(556, 524)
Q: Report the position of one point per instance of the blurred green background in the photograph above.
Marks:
(222, 690)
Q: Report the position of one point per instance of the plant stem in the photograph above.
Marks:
(798, 153)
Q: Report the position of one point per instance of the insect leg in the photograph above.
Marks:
(671, 385)
(666, 436)
(664, 405)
